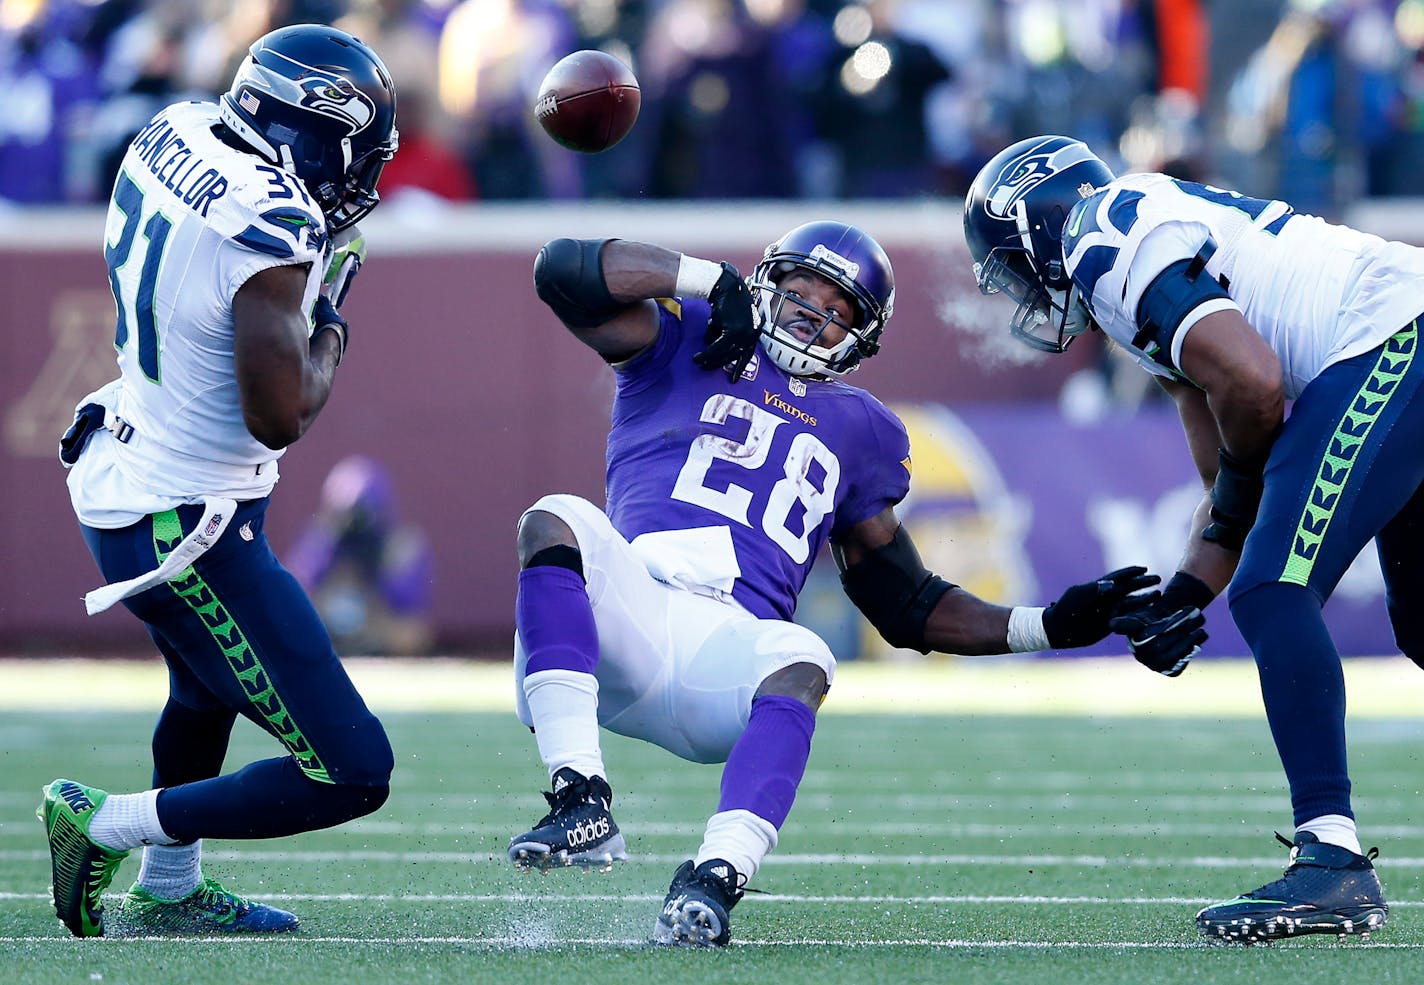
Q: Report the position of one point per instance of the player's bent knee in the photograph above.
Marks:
(806, 682)
(541, 532)
(365, 758)
(348, 801)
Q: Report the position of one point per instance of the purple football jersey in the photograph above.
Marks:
(784, 462)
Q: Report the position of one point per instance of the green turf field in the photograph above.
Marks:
(1068, 837)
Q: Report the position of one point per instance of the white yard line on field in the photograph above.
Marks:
(1384, 687)
(757, 899)
(541, 942)
(860, 859)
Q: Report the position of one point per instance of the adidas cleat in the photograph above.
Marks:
(698, 902)
(209, 909)
(1326, 889)
(578, 830)
(80, 867)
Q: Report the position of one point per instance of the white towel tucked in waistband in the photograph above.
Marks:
(700, 559)
(217, 514)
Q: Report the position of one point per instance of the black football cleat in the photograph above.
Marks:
(697, 904)
(1326, 889)
(578, 830)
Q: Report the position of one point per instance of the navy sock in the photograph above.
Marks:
(1303, 686)
(555, 620)
(272, 798)
(768, 760)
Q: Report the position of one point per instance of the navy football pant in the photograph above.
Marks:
(1348, 466)
(240, 637)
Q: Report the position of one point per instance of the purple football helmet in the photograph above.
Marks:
(855, 263)
(320, 104)
(1013, 223)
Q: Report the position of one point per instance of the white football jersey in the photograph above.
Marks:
(190, 221)
(1316, 292)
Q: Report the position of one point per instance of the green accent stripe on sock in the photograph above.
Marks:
(241, 657)
(1351, 432)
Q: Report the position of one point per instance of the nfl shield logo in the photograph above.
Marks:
(798, 386)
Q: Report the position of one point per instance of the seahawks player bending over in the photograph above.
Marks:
(736, 452)
(1235, 305)
(230, 244)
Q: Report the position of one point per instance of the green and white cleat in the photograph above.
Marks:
(81, 868)
(207, 910)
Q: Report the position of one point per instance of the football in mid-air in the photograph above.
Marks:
(588, 101)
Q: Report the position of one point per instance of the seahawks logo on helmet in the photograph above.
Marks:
(1027, 173)
(321, 92)
(337, 98)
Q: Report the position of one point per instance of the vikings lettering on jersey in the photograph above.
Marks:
(1120, 239)
(781, 462)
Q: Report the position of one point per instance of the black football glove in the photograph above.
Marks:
(1161, 636)
(1235, 497)
(1080, 616)
(732, 331)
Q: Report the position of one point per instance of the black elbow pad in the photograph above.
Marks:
(568, 277)
(893, 589)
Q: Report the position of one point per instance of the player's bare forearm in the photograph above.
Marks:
(1203, 559)
(965, 624)
(639, 271)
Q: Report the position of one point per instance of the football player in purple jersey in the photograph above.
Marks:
(736, 452)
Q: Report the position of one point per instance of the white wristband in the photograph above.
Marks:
(696, 277)
(1026, 632)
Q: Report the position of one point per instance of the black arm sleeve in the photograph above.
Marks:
(568, 277)
(893, 589)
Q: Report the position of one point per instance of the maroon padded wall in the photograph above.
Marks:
(457, 378)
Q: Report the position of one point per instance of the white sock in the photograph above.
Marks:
(739, 837)
(564, 707)
(1334, 829)
(128, 820)
(171, 871)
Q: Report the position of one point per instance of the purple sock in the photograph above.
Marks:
(768, 761)
(555, 620)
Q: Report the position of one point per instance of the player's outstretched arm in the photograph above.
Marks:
(912, 607)
(284, 372)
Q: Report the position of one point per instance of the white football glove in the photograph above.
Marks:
(347, 253)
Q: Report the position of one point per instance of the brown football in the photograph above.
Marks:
(588, 101)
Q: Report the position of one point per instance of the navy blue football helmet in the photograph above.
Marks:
(855, 263)
(1013, 222)
(321, 105)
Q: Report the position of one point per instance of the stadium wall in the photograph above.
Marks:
(464, 385)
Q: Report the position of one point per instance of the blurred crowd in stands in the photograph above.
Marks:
(1317, 101)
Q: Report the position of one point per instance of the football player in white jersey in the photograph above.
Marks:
(1237, 305)
(230, 244)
